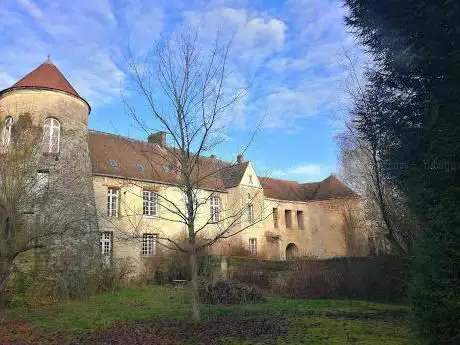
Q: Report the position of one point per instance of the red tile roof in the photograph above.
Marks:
(329, 188)
(134, 159)
(118, 156)
(46, 76)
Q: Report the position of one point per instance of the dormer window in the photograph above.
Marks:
(6, 132)
(51, 136)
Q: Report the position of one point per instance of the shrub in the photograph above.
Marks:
(167, 266)
(229, 292)
(111, 276)
(375, 278)
(261, 278)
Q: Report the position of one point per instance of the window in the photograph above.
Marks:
(215, 209)
(300, 219)
(112, 202)
(106, 243)
(275, 217)
(51, 135)
(253, 246)
(6, 132)
(150, 205)
(250, 213)
(250, 179)
(288, 218)
(149, 244)
(42, 182)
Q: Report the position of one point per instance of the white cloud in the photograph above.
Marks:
(254, 36)
(31, 8)
(302, 173)
(6, 79)
(84, 38)
(305, 169)
(293, 51)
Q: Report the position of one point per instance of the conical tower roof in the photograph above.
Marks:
(47, 75)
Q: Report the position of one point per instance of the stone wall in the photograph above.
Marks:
(69, 172)
(322, 234)
(131, 224)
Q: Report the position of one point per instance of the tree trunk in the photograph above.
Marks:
(4, 276)
(195, 293)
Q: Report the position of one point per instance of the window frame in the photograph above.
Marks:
(149, 244)
(42, 181)
(113, 193)
(106, 241)
(7, 131)
(253, 246)
(250, 213)
(287, 223)
(275, 218)
(48, 135)
(300, 216)
(215, 209)
(147, 203)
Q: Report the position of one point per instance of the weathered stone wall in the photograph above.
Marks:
(70, 173)
(322, 235)
(131, 224)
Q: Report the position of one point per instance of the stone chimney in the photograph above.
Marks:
(240, 158)
(157, 138)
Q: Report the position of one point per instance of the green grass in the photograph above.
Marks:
(309, 321)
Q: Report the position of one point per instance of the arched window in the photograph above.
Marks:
(51, 135)
(6, 132)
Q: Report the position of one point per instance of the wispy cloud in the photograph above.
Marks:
(299, 170)
(85, 38)
(291, 50)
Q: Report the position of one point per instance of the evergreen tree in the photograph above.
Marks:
(416, 48)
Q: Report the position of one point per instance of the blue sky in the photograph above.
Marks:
(295, 48)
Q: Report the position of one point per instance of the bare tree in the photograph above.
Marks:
(385, 213)
(186, 93)
(354, 231)
(39, 212)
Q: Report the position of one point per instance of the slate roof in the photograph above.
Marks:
(232, 175)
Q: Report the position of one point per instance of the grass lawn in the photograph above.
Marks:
(160, 314)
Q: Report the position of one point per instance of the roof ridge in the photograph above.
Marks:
(278, 179)
(146, 143)
(118, 136)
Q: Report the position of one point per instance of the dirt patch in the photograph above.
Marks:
(16, 332)
(163, 332)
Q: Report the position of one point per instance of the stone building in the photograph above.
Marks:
(134, 184)
(47, 108)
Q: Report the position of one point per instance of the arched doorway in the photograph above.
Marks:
(292, 251)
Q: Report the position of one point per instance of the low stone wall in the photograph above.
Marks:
(372, 278)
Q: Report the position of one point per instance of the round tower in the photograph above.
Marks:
(50, 104)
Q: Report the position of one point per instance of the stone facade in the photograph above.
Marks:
(95, 162)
